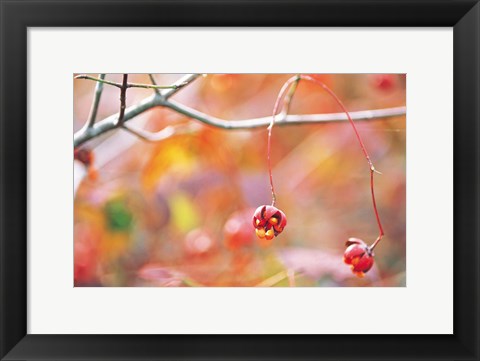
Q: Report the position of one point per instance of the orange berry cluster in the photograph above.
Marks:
(268, 222)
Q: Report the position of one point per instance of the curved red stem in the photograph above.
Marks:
(362, 145)
(380, 228)
(281, 95)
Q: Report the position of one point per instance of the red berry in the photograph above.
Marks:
(86, 157)
(384, 82)
(268, 222)
(83, 155)
(359, 256)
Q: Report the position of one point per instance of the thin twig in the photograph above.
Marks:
(152, 79)
(96, 100)
(88, 77)
(123, 100)
(130, 85)
(179, 84)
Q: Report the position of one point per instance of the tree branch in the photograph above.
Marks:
(162, 99)
(110, 123)
(158, 100)
(179, 84)
(96, 100)
(286, 120)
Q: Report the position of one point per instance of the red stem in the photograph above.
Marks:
(380, 228)
(284, 89)
(280, 96)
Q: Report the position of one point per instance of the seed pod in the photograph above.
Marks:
(359, 256)
(268, 222)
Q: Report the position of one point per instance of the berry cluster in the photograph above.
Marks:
(269, 222)
(359, 256)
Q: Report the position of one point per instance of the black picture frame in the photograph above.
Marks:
(18, 15)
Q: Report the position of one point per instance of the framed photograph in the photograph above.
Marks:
(240, 180)
(204, 209)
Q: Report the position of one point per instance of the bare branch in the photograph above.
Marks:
(156, 100)
(96, 100)
(161, 99)
(110, 123)
(131, 85)
(123, 99)
(287, 120)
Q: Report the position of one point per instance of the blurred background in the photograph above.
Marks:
(179, 212)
